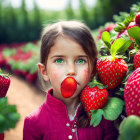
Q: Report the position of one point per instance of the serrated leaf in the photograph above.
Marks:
(134, 32)
(3, 103)
(116, 46)
(2, 119)
(14, 117)
(106, 38)
(100, 86)
(125, 46)
(9, 109)
(137, 42)
(96, 117)
(113, 108)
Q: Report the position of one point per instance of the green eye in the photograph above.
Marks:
(80, 61)
(59, 61)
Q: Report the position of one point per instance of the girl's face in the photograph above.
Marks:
(67, 58)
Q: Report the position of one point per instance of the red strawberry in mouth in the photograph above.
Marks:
(68, 87)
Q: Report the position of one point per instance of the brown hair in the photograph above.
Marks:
(76, 31)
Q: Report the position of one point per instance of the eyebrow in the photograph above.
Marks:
(64, 56)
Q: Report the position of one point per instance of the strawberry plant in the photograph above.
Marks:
(112, 69)
(8, 113)
(118, 68)
(97, 103)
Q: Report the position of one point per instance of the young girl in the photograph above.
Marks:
(67, 50)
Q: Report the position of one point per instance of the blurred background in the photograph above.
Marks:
(21, 22)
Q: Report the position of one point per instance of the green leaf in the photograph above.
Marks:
(8, 115)
(113, 108)
(96, 117)
(137, 41)
(117, 46)
(3, 103)
(134, 32)
(106, 39)
(14, 117)
(2, 119)
(125, 46)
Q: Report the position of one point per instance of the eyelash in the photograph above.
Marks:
(60, 59)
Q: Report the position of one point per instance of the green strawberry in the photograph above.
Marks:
(132, 94)
(136, 60)
(111, 71)
(93, 98)
(130, 128)
(68, 87)
(4, 84)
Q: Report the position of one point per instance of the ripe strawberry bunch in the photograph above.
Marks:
(118, 66)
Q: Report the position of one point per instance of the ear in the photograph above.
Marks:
(43, 71)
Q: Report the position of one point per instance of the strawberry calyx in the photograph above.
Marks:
(4, 75)
(94, 83)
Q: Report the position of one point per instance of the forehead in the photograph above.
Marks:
(66, 46)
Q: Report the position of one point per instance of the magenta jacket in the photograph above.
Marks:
(51, 122)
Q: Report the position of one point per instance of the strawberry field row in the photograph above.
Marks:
(21, 59)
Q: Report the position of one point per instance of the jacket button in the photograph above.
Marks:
(73, 130)
(67, 124)
(70, 137)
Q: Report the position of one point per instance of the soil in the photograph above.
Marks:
(26, 97)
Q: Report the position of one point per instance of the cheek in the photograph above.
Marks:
(55, 74)
(85, 75)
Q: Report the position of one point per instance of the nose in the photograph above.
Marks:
(71, 70)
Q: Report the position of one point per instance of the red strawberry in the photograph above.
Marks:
(4, 85)
(132, 24)
(1, 136)
(136, 60)
(132, 94)
(137, 18)
(111, 71)
(68, 87)
(31, 77)
(93, 98)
